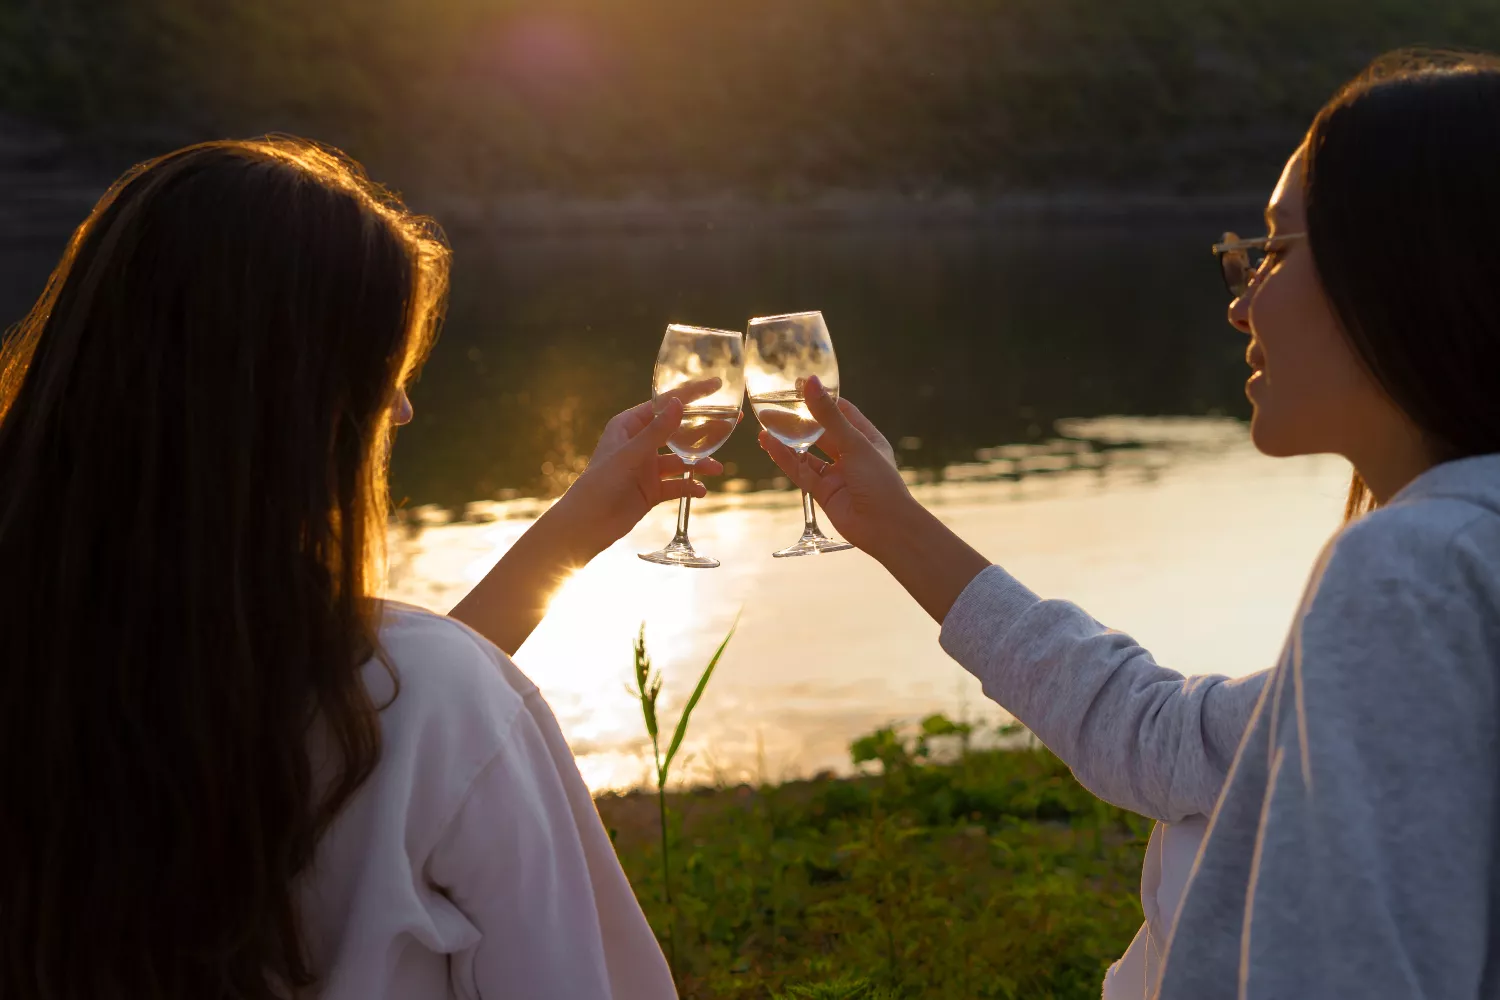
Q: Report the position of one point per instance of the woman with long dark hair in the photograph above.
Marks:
(1354, 789)
(228, 770)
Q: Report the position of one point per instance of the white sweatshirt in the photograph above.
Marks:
(472, 863)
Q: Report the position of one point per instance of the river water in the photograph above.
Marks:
(1066, 395)
(1194, 544)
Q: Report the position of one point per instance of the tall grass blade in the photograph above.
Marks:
(687, 711)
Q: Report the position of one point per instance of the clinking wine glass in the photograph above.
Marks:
(705, 369)
(781, 352)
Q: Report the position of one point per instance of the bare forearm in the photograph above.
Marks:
(928, 559)
(506, 606)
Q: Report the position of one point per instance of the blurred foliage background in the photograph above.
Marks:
(772, 99)
(711, 161)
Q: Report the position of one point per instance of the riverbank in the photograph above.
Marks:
(848, 209)
(48, 191)
(993, 874)
(51, 179)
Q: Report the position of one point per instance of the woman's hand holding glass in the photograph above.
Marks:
(626, 476)
(703, 369)
(782, 353)
(624, 479)
(859, 488)
(863, 494)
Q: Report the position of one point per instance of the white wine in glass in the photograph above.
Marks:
(781, 352)
(705, 369)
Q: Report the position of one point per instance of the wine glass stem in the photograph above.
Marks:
(809, 512)
(809, 516)
(682, 509)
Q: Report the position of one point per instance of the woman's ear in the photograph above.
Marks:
(401, 411)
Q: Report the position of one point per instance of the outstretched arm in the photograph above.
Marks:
(625, 478)
(1135, 733)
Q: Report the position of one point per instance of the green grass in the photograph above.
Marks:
(993, 874)
(648, 686)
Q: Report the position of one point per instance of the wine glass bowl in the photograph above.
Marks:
(781, 353)
(785, 417)
(703, 430)
(705, 370)
(708, 418)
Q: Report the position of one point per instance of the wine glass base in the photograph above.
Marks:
(811, 545)
(676, 554)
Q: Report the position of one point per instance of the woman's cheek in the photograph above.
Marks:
(1314, 384)
(1284, 408)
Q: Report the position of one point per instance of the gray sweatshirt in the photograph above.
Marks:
(1354, 851)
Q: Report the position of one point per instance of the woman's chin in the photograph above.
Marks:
(1272, 438)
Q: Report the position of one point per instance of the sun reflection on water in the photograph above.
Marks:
(1196, 545)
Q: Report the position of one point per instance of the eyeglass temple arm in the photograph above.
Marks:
(1251, 244)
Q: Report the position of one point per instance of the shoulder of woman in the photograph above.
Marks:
(1410, 584)
(451, 705)
(1438, 542)
(1396, 647)
(446, 673)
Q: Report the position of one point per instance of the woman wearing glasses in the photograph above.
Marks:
(1354, 844)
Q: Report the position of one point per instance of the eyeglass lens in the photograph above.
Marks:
(1239, 266)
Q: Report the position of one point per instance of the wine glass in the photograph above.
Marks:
(781, 352)
(705, 369)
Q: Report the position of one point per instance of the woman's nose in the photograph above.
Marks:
(1239, 313)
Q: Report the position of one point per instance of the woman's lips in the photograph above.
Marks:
(1257, 362)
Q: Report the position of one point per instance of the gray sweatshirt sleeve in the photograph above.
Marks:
(1136, 734)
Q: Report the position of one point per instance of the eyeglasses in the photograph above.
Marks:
(1241, 260)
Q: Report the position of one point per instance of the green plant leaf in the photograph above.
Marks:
(864, 750)
(941, 725)
(938, 725)
(687, 710)
(855, 988)
(648, 709)
(884, 745)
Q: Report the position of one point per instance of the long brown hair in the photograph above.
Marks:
(1403, 204)
(194, 425)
